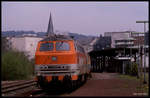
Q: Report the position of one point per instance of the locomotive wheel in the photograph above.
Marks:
(74, 83)
(42, 85)
(68, 83)
(81, 81)
(78, 83)
(69, 86)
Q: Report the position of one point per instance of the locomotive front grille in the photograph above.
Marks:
(55, 73)
(55, 69)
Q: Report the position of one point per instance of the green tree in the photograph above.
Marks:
(15, 65)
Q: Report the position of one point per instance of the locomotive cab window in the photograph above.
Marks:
(46, 47)
(62, 46)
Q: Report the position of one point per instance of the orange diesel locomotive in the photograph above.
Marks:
(61, 58)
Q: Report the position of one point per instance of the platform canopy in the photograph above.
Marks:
(113, 51)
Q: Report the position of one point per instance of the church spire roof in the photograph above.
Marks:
(50, 29)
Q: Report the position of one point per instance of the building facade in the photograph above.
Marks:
(118, 37)
(130, 39)
(122, 43)
(89, 47)
(125, 39)
(139, 38)
(26, 44)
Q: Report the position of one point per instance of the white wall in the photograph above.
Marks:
(25, 44)
(18, 43)
(31, 45)
(117, 36)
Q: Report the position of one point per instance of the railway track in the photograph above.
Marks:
(44, 93)
(11, 82)
(16, 87)
(57, 90)
(29, 88)
(33, 93)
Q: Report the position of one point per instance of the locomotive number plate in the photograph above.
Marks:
(54, 58)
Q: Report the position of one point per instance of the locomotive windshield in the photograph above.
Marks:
(62, 46)
(46, 47)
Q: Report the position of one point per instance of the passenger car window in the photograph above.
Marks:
(46, 47)
(62, 46)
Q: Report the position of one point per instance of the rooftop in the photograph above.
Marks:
(57, 37)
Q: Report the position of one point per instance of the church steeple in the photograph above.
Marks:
(50, 31)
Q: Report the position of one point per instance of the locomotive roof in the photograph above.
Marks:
(57, 38)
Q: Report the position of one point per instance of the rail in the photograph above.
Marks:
(17, 86)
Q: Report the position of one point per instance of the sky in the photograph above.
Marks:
(88, 18)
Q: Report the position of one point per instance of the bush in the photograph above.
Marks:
(128, 69)
(16, 66)
(4, 45)
(134, 70)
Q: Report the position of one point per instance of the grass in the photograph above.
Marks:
(144, 87)
(128, 77)
(134, 77)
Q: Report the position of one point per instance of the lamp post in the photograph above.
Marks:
(144, 49)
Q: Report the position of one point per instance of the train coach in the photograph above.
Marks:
(62, 59)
